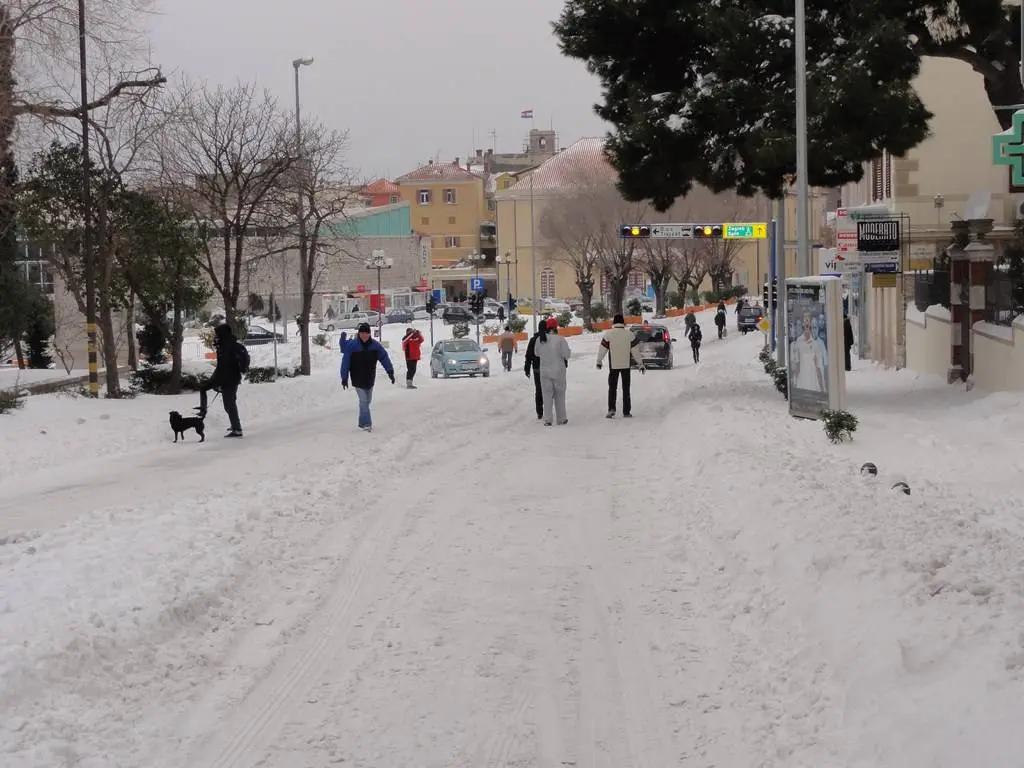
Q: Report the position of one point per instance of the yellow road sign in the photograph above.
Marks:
(763, 325)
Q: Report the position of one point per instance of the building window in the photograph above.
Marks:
(453, 241)
(425, 220)
(547, 283)
(394, 199)
(636, 280)
(881, 178)
(449, 196)
(424, 197)
(38, 273)
(492, 204)
(451, 219)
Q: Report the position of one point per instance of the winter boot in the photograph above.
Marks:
(234, 433)
(610, 415)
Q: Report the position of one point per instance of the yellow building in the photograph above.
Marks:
(448, 205)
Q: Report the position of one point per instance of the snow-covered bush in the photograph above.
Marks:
(320, 340)
(517, 324)
(781, 380)
(839, 425)
(565, 319)
(154, 379)
(9, 400)
(264, 374)
(460, 330)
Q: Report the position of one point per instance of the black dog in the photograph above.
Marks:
(180, 424)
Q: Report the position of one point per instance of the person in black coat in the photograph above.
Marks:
(720, 320)
(232, 362)
(847, 340)
(532, 363)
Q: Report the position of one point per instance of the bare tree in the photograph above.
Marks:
(223, 154)
(618, 257)
(572, 224)
(690, 267)
(659, 259)
(324, 184)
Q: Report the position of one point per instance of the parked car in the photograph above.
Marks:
(419, 312)
(655, 344)
(399, 316)
(555, 307)
(349, 321)
(456, 314)
(257, 334)
(748, 318)
(459, 357)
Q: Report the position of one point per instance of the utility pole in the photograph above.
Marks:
(533, 258)
(303, 254)
(87, 249)
(378, 262)
(782, 326)
(802, 235)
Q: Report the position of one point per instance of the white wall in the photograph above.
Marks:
(998, 349)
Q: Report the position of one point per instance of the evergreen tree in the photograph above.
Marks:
(704, 92)
(39, 329)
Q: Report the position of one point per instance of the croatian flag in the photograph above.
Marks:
(527, 113)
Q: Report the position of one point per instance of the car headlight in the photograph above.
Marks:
(452, 362)
(483, 361)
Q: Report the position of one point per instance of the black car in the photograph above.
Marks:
(456, 314)
(399, 316)
(257, 334)
(748, 318)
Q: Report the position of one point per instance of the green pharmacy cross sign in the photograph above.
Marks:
(1008, 148)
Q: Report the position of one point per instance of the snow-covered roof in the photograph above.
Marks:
(583, 159)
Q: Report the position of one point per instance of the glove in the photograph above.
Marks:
(527, 374)
(344, 385)
(643, 370)
(392, 377)
(599, 366)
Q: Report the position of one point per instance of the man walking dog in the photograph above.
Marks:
(232, 363)
(620, 345)
(360, 360)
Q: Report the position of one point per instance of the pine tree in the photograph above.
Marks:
(704, 92)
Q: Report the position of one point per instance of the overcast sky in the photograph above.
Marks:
(410, 79)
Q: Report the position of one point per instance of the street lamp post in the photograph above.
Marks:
(378, 262)
(302, 218)
(802, 235)
(508, 262)
(477, 258)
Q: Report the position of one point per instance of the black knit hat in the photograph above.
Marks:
(364, 328)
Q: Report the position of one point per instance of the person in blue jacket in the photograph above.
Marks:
(359, 361)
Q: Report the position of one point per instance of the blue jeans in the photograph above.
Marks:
(365, 398)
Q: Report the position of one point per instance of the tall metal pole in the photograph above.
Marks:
(802, 235)
(380, 304)
(303, 255)
(87, 251)
(533, 259)
(781, 325)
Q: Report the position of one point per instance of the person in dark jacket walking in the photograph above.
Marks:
(532, 363)
(411, 343)
(720, 320)
(360, 362)
(232, 362)
(694, 334)
(848, 340)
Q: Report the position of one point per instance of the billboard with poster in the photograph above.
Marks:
(815, 374)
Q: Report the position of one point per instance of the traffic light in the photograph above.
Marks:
(708, 231)
(775, 293)
(635, 231)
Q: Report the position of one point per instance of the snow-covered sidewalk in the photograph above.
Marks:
(711, 582)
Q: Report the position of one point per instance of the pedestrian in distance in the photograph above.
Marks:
(360, 363)
(508, 346)
(695, 335)
(720, 320)
(553, 352)
(533, 364)
(411, 343)
(621, 346)
(848, 340)
(232, 363)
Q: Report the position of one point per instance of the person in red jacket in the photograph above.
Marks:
(411, 343)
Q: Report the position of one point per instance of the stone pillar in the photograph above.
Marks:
(970, 273)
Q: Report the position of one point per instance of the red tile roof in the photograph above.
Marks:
(581, 160)
(438, 172)
(382, 187)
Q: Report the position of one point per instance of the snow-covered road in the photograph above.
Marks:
(711, 583)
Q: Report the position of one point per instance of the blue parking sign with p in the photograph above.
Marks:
(436, 293)
(476, 284)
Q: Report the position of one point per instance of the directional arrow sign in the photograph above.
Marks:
(671, 231)
(757, 231)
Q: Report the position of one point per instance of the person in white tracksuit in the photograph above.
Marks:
(553, 352)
